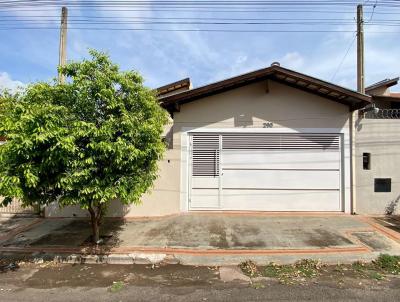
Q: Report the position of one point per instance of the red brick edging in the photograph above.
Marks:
(380, 228)
(198, 252)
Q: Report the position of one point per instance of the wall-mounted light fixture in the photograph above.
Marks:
(368, 108)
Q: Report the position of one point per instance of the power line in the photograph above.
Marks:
(93, 22)
(344, 57)
(215, 10)
(373, 10)
(196, 21)
(194, 30)
(219, 23)
(299, 3)
(85, 18)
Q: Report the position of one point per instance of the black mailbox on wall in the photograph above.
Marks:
(382, 184)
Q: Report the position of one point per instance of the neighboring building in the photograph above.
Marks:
(377, 138)
(269, 140)
(174, 88)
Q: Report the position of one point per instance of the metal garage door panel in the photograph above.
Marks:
(204, 198)
(280, 179)
(281, 200)
(265, 172)
(205, 182)
(282, 159)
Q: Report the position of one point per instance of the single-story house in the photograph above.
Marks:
(273, 140)
(268, 140)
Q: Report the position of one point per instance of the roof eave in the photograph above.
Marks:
(385, 83)
(386, 98)
(288, 77)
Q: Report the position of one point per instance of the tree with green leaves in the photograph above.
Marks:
(94, 139)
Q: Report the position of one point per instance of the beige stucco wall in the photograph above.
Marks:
(246, 107)
(251, 106)
(379, 91)
(381, 138)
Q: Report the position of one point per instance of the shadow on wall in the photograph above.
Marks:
(118, 209)
(169, 138)
(251, 106)
(358, 125)
(115, 209)
(392, 207)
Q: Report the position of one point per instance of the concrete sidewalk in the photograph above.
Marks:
(213, 239)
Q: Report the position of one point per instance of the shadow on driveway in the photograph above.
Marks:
(199, 231)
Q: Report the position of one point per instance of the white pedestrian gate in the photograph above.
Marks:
(265, 172)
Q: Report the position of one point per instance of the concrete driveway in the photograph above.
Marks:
(212, 234)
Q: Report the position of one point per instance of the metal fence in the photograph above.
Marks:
(383, 114)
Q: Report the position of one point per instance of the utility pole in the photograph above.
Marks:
(63, 43)
(360, 49)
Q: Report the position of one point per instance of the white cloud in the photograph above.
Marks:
(6, 82)
(25, 14)
(292, 60)
(163, 57)
(129, 13)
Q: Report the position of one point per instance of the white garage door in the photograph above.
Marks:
(265, 172)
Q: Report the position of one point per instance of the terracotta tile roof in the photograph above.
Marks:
(173, 86)
(384, 83)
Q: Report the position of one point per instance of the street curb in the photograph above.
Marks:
(141, 258)
(175, 256)
(126, 259)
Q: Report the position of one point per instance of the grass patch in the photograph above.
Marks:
(360, 266)
(303, 269)
(375, 275)
(249, 268)
(257, 285)
(310, 269)
(116, 286)
(388, 264)
(284, 273)
(272, 270)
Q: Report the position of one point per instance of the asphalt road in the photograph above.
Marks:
(230, 292)
(55, 282)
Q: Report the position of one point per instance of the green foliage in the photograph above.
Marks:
(375, 275)
(360, 266)
(388, 264)
(287, 273)
(257, 285)
(250, 268)
(309, 269)
(116, 286)
(306, 268)
(384, 264)
(86, 142)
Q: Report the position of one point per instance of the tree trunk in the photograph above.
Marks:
(95, 218)
(95, 231)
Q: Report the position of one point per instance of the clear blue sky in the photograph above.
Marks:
(28, 55)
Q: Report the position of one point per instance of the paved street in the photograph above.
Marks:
(56, 282)
(51, 281)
